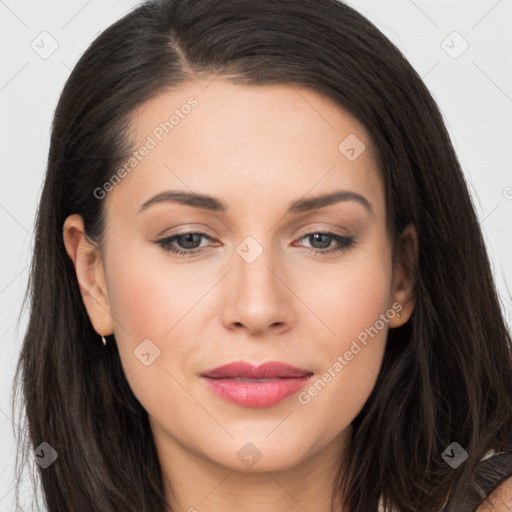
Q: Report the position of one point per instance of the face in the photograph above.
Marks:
(256, 273)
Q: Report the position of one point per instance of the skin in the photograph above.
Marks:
(499, 500)
(256, 148)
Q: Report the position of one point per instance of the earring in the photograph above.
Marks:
(103, 340)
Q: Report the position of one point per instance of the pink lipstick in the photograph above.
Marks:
(256, 386)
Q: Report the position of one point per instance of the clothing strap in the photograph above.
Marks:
(493, 469)
(488, 474)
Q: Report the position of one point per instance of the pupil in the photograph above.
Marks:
(188, 241)
(314, 237)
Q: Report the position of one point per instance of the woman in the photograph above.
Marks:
(259, 282)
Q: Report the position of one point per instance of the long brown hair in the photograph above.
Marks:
(447, 373)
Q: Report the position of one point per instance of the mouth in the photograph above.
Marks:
(241, 369)
(256, 386)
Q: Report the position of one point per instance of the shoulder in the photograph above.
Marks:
(499, 500)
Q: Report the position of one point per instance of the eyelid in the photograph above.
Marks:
(185, 230)
(332, 228)
(204, 231)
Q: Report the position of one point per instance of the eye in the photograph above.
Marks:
(321, 240)
(189, 241)
(189, 244)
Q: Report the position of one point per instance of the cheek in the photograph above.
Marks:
(152, 301)
(148, 297)
(151, 305)
(343, 384)
(349, 296)
(356, 309)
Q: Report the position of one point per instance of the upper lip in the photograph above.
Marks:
(263, 371)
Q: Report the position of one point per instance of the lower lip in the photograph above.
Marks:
(256, 394)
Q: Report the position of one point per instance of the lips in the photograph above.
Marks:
(256, 386)
(270, 370)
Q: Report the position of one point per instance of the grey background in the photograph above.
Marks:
(473, 90)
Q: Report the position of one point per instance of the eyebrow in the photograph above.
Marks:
(216, 205)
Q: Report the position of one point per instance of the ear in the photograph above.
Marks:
(404, 276)
(86, 258)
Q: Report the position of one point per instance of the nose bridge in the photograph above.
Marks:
(257, 298)
(253, 262)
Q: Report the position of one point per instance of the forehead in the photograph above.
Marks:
(274, 143)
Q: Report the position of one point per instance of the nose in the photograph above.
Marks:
(257, 297)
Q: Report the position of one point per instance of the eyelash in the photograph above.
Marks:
(344, 241)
